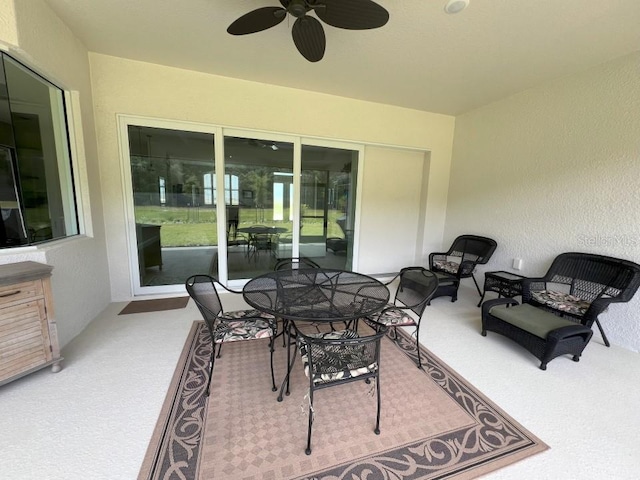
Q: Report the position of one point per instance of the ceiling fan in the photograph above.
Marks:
(308, 34)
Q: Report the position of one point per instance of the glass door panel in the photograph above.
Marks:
(258, 195)
(327, 205)
(172, 174)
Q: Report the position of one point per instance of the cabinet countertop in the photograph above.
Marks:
(23, 272)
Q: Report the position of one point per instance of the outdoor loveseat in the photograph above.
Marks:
(559, 309)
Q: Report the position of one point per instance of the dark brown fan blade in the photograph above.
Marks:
(308, 35)
(257, 20)
(352, 14)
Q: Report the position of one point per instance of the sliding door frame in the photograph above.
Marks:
(219, 132)
(221, 210)
(356, 147)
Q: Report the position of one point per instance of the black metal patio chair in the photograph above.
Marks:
(238, 325)
(338, 357)
(292, 263)
(416, 287)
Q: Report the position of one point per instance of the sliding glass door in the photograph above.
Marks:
(258, 194)
(327, 205)
(175, 215)
(232, 207)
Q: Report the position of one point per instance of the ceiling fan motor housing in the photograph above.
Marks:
(297, 8)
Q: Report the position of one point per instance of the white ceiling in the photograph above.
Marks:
(422, 59)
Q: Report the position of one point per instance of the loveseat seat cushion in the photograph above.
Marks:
(534, 320)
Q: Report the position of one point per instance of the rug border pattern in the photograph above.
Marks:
(450, 454)
(463, 453)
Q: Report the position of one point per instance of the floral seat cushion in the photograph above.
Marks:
(244, 325)
(394, 316)
(561, 301)
(445, 266)
(335, 362)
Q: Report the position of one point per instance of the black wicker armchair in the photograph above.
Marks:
(559, 309)
(459, 262)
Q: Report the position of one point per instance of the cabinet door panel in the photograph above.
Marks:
(24, 338)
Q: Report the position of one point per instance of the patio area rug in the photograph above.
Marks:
(156, 305)
(434, 424)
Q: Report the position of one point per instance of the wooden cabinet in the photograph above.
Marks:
(28, 336)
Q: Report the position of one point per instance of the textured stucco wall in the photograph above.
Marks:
(556, 169)
(391, 210)
(80, 279)
(137, 88)
(8, 28)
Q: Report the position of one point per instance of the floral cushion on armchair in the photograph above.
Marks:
(244, 325)
(335, 362)
(445, 266)
(394, 316)
(561, 301)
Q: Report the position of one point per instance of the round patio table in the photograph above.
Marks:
(315, 295)
(256, 230)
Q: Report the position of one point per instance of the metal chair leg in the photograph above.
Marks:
(377, 380)
(418, 345)
(290, 361)
(212, 363)
(273, 378)
(308, 449)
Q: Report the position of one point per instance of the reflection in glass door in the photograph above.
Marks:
(173, 183)
(258, 194)
(266, 196)
(328, 205)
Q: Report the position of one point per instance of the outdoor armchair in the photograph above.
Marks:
(292, 263)
(295, 262)
(338, 357)
(223, 327)
(459, 262)
(416, 287)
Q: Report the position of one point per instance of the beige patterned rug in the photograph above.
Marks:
(434, 424)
